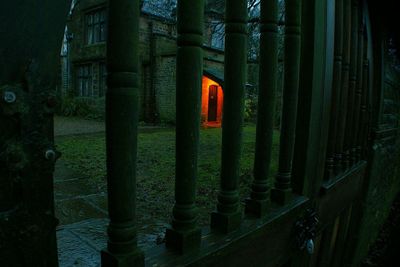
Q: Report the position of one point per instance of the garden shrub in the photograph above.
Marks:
(86, 107)
(250, 104)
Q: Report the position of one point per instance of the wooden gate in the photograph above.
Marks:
(306, 216)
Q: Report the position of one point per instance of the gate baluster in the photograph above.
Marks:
(257, 204)
(349, 145)
(339, 146)
(334, 158)
(360, 59)
(228, 216)
(121, 133)
(363, 134)
(184, 233)
(282, 189)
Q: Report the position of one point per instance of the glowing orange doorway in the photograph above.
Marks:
(212, 102)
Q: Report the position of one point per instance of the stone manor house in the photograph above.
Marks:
(83, 59)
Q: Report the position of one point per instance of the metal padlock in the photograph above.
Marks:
(310, 246)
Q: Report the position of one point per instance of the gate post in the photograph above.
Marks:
(31, 34)
(228, 216)
(184, 233)
(282, 190)
(121, 133)
(257, 204)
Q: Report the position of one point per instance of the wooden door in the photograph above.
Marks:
(212, 103)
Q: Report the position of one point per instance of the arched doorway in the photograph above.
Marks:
(212, 102)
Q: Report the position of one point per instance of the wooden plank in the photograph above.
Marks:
(325, 253)
(336, 195)
(341, 238)
(256, 241)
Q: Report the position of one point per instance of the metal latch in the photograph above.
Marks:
(305, 230)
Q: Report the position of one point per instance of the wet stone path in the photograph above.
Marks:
(81, 208)
(79, 243)
(82, 211)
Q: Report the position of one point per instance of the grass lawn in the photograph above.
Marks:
(85, 154)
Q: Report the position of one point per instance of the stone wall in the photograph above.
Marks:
(165, 75)
(155, 39)
(157, 60)
(383, 182)
(164, 83)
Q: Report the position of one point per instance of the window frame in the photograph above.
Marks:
(84, 80)
(95, 22)
(102, 78)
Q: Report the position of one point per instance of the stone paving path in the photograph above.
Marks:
(75, 198)
(82, 211)
(70, 126)
(79, 244)
(65, 126)
(82, 208)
